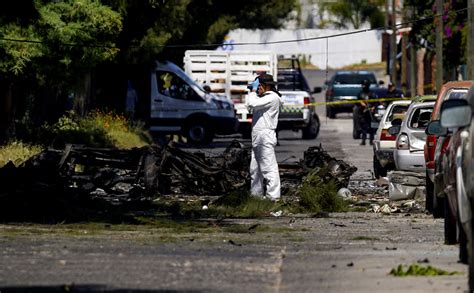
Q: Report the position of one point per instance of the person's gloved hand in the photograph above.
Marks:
(255, 84)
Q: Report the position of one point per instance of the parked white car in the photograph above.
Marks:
(411, 136)
(384, 142)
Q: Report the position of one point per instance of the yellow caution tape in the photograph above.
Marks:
(349, 102)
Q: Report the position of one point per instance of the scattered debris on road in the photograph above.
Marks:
(99, 179)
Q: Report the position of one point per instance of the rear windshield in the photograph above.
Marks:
(354, 78)
(420, 118)
(397, 112)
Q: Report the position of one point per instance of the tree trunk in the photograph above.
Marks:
(83, 99)
(420, 76)
(6, 110)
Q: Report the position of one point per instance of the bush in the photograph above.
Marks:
(97, 129)
(17, 152)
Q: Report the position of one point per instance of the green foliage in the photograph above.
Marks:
(97, 129)
(17, 152)
(356, 12)
(454, 26)
(417, 270)
(317, 195)
(72, 33)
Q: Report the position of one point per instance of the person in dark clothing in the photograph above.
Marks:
(365, 112)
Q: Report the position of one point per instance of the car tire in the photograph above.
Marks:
(199, 132)
(429, 195)
(438, 206)
(470, 253)
(312, 130)
(379, 171)
(330, 112)
(450, 226)
(463, 255)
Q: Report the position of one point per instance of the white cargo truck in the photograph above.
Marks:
(228, 73)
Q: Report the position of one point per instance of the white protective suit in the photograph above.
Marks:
(263, 165)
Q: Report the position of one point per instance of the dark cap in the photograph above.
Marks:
(266, 79)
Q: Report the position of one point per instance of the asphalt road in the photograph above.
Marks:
(345, 252)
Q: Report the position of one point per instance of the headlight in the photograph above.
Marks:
(403, 143)
(223, 105)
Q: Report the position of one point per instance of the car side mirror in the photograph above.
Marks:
(457, 116)
(434, 128)
(317, 90)
(397, 122)
(394, 130)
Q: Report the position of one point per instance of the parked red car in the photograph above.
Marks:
(435, 148)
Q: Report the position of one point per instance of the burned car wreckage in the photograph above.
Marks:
(83, 177)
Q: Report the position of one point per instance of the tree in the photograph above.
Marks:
(356, 12)
(423, 30)
(52, 46)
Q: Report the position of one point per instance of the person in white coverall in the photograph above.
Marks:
(265, 101)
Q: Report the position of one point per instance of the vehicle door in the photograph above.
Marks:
(172, 98)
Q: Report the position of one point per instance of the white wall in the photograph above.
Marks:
(342, 51)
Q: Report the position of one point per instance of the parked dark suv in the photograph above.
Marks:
(345, 86)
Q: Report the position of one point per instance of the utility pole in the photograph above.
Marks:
(403, 78)
(393, 46)
(439, 45)
(470, 40)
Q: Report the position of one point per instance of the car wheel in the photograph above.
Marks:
(429, 195)
(330, 113)
(379, 171)
(470, 253)
(438, 206)
(199, 132)
(450, 232)
(312, 130)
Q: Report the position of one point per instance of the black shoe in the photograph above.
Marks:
(363, 142)
(371, 142)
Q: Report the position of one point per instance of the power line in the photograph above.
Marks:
(399, 25)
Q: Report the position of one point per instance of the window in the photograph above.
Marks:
(354, 78)
(420, 118)
(398, 112)
(169, 84)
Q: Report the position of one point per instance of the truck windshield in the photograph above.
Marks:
(351, 78)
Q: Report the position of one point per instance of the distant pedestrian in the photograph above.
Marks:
(265, 101)
(365, 112)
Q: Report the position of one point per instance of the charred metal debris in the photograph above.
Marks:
(81, 176)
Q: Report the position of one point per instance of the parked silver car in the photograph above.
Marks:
(384, 142)
(411, 137)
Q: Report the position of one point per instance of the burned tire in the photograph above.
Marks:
(199, 132)
(379, 171)
(450, 226)
(312, 130)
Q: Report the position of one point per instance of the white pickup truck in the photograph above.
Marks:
(229, 73)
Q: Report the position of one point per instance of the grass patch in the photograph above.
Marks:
(365, 238)
(319, 196)
(241, 204)
(17, 152)
(417, 270)
(365, 66)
